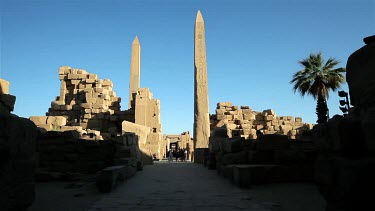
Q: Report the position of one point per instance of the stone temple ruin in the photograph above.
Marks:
(86, 131)
(90, 107)
(183, 140)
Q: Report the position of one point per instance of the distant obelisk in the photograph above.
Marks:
(135, 70)
(201, 111)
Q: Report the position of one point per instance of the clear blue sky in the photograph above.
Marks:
(252, 49)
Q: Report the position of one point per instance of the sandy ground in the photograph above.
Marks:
(66, 196)
(181, 186)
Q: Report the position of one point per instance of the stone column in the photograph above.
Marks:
(201, 111)
(135, 69)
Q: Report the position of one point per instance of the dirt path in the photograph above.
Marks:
(189, 186)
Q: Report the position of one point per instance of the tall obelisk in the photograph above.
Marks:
(135, 70)
(201, 111)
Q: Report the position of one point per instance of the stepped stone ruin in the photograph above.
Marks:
(244, 122)
(89, 106)
(86, 104)
(17, 152)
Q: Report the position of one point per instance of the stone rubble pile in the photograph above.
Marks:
(85, 100)
(244, 122)
(86, 104)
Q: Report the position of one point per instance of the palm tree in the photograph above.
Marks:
(317, 78)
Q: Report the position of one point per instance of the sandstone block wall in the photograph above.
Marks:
(142, 132)
(4, 86)
(147, 113)
(86, 101)
(65, 152)
(244, 122)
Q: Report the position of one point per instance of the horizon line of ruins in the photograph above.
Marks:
(90, 106)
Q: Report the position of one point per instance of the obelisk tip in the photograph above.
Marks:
(199, 17)
(136, 41)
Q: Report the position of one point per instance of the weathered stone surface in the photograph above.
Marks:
(249, 124)
(135, 70)
(7, 103)
(345, 183)
(39, 120)
(108, 178)
(142, 132)
(246, 175)
(233, 145)
(235, 158)
(271, 142)
(261, 157)
(17, 151)
(201, 110)
(4, 86)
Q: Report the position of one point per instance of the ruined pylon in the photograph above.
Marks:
(135, 69)
(201, 111)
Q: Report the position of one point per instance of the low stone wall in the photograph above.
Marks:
(276, 156)
(63, 152)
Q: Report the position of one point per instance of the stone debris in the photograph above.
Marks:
(244, 122)
(86, 101)
(108, 178)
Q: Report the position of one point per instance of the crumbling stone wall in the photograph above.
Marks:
(147, 113)
(86, 101)
(244, 122)
(142, 132)
(89, 106)
(66, 152)
(17, 155)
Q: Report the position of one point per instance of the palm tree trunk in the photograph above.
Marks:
(321, 110)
